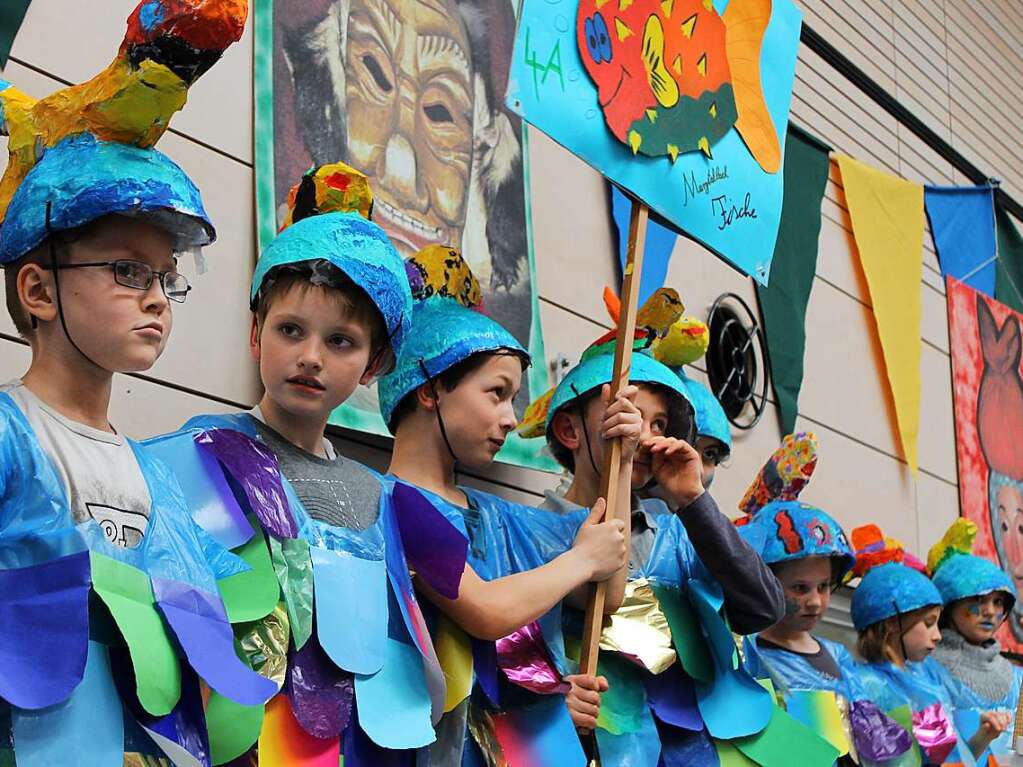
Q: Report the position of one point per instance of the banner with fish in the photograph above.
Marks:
(683, 103)
(330, 86)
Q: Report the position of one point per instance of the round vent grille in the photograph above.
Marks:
(737, 361)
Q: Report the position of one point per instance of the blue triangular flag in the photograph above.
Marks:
(963, 227)
(660, 241)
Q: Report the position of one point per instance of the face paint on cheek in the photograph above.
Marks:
(791, 607)
(974, 610)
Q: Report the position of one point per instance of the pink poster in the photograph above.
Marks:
(988, 394)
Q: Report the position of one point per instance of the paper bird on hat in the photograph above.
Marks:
(168, 45)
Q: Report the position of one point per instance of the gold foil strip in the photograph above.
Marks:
(640, 629)
(266, 645)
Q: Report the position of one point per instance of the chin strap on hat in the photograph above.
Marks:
(55, 268)
(440, 418)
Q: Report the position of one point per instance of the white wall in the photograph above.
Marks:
(951, 62)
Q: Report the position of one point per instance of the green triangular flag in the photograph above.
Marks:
(783, 301)
(1009, 274)
(12, 13)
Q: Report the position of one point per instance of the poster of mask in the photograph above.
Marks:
(988, 395)
(410, 93)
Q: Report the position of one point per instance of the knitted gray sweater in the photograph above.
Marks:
(979, 667)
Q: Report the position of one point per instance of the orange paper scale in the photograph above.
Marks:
(283, 742)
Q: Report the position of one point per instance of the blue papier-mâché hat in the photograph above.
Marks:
(326, 223)
(82, 179)
(446, 329)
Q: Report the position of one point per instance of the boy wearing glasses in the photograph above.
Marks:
(90, 266)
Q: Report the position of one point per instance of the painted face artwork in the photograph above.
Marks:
(410, 116)
(999, 419)
(410, 92)
(1006, 505)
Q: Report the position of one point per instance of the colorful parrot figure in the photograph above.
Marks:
(958, 539)
(655, 317)
(440, 270)
(168, 45)
(784, 475)
(674, 76)
(685, 342)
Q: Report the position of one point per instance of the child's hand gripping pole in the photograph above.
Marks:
(609, 474)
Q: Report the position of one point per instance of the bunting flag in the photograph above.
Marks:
(963, 227)
(1009, 276)
(783, 302)
(12, 13)
(888, 225)
(660, 241)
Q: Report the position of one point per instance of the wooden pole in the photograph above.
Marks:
(609, 488)
(1017, 730)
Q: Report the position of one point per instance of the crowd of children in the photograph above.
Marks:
(238, 592)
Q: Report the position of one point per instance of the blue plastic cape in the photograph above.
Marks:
(83, 179)
(673, 561)
(674, 565)
(371, 625)
(965, 700)
(918, 686)
(792, 671)
(44, 561)
(507, 538)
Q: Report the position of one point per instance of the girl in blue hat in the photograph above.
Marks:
(895, 610)
(977, 596)
(809, 553)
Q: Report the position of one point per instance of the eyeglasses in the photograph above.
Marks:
(139, 275)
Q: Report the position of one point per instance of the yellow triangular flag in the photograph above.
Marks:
(887, 215)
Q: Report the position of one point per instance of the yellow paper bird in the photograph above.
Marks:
(958, 539)
(685, 342)
(169, 44)
(655, 316)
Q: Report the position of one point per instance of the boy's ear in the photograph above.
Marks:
(254, 332)
(35, 291)
(374, 367)
(565, 428)
(425, 398)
